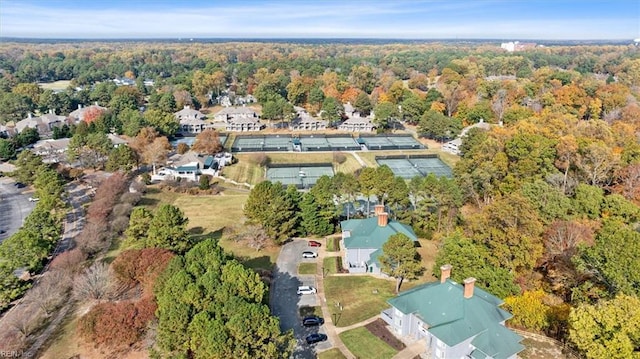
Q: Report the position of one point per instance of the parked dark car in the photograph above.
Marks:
(314, 244)
(312, 321)
(315, 338)
(20, 185)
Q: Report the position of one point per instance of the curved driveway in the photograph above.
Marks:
(14, 207)
(285, 303)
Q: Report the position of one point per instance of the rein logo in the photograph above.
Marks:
(11, 353)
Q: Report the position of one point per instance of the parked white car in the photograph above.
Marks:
(33, 199)
(305, 289)
(309, 254)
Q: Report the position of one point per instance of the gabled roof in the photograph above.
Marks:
(366, 233)
(192, 159)
(52, 145)
(453, 319)
(52, 118)
(242, 120)
(32, 122)
(187, 113)
(237, 111)
(357, 120)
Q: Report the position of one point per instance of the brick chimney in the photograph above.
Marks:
(383, 219)
(468, 287)
(377, 209)
(445, 272)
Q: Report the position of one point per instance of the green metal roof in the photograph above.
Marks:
(366, 233)
(453, 318)
(373, 257)
(497, 342)
(187, 168)
(208, 162)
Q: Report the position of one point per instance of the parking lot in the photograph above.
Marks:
(14, 207)
(285, 303)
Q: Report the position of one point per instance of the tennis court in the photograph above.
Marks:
(328, 143)
(408, 167)
(300, 175)
(190, 140)
(262, 143)
(390, 142)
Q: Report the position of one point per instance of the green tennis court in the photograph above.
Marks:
(390, 142)
(408, 167)
(262, 143)
(299, 175)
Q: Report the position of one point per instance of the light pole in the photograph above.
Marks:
(302, 175)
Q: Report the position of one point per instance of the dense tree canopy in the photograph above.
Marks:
(210, 306)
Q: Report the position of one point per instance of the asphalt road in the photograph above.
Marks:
(14, 207)
(285, 303)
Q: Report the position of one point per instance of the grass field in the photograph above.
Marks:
(331, 354)
(361, 297)
(333, 244)
(363, 344)
(330, 265)
(209, 215)
(307, 268)
(428, 250)
(55, 86)
(245, 171)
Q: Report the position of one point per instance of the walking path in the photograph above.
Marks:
(357, 325)
(358, 158)
(412, 350)
(331, 330)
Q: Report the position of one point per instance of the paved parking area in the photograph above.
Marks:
(14, 207)
(285, 303)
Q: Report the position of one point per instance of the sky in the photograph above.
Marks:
(384, 19)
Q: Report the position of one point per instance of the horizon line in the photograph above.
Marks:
(189, 38)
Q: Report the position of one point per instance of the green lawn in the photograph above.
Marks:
(330, 265)
(154, 196)
(361, 297)
(363, 344)
(209, 215)
(60, 85)
(244, 171)
(333, 244)
(307, 268)
(331, 354)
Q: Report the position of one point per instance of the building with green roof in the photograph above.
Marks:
(455, 320)
(362, 240)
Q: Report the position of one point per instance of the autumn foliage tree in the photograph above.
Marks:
(207, 142)
(141, 267)
(117, 325)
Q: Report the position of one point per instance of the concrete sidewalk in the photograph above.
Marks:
(411, 351)
(332, 331)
